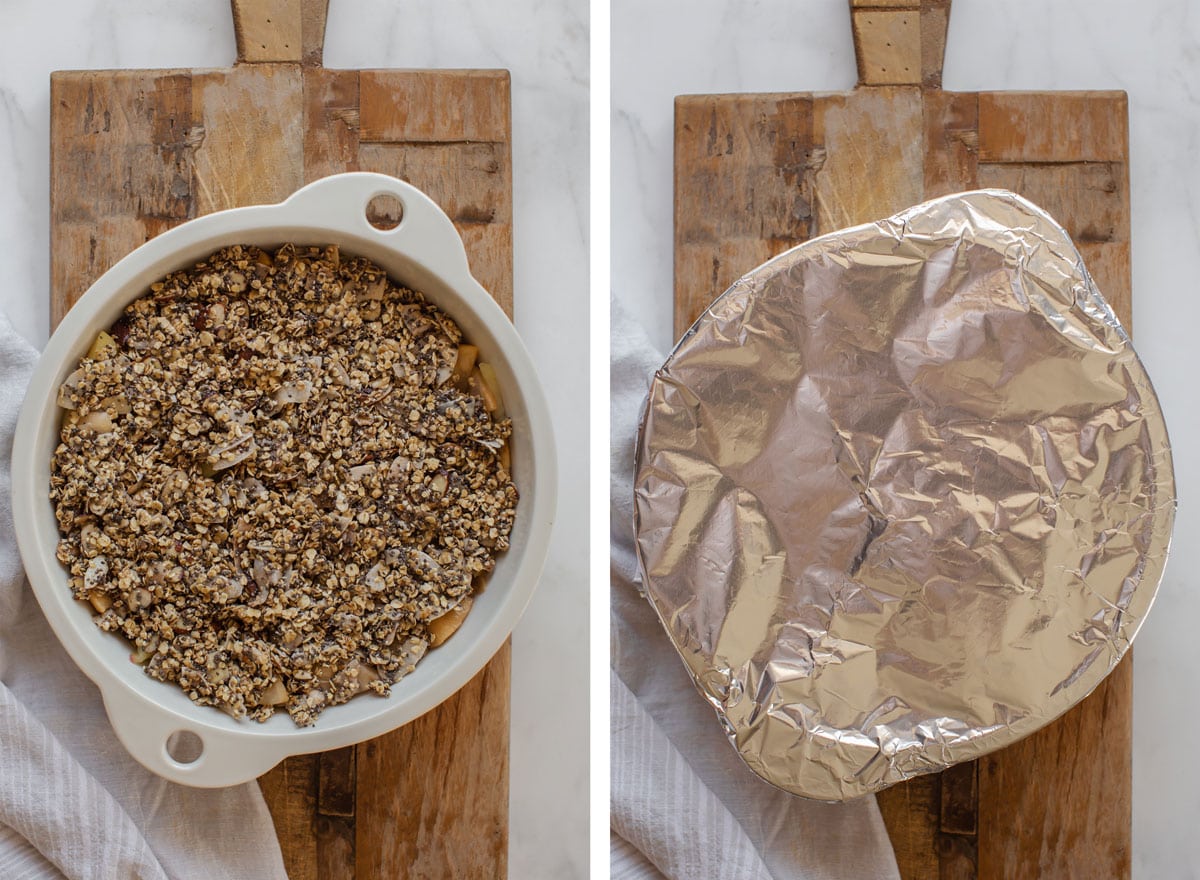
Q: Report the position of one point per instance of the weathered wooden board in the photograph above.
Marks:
(757, 174)
(134, 153)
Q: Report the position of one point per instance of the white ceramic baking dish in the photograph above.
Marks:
(425, 253)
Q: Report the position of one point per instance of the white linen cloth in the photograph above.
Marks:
(684, 807)
(73, 803)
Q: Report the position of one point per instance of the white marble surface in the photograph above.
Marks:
(1152, 51)
(545, 46)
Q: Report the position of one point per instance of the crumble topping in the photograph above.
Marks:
(281, 476)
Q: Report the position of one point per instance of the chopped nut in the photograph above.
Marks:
(293, 392)
(374, 579)
(140, 598)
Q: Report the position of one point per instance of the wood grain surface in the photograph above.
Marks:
(758, 174)
(134, 153)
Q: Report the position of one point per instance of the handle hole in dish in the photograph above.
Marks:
(385, 212)
(184, 747)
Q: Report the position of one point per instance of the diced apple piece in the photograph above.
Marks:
(103, 347)
(496, 405)
(447, 625)
(118, 403)
(464, 366)
(275, 694)
(98, 420)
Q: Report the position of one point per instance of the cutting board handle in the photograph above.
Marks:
(900, 42)
(289, 31)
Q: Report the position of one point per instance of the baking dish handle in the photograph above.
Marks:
(224, 757)
(424, 231)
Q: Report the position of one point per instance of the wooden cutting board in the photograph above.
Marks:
(134, 153)
(757, 174)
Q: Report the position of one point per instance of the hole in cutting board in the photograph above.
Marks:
(185, 747)
(385, 212)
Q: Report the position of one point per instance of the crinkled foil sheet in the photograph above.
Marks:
(903, 495)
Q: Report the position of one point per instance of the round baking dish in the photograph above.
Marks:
(423, 252)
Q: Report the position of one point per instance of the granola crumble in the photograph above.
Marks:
(280, 477)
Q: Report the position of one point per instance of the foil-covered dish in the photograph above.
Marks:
(903, 495)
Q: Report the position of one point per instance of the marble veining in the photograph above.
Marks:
(1152, 51)
(545, 46)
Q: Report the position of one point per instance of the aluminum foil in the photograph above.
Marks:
(903, 495)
